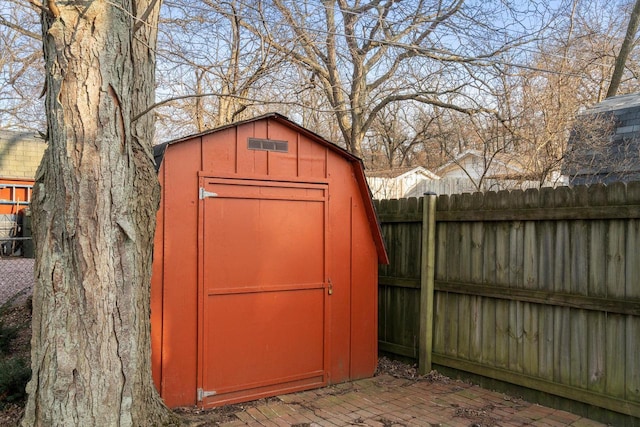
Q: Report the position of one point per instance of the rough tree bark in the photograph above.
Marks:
(94, 207)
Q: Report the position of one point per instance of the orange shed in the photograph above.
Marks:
(265, 265)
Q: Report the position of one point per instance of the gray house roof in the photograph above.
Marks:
(605, 143)
(617, 103)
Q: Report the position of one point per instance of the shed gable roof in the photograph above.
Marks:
(158, 150)
(356, 162)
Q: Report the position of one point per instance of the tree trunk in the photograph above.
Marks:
(625, 50)
(94, 206)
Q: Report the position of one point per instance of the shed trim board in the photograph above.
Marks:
(265, 269)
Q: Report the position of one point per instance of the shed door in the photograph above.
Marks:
(263, 275)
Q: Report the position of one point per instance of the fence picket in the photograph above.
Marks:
(596, 350)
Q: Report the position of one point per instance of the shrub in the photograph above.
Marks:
(7, 334)
(14, 375)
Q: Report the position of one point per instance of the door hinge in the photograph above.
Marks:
(204, 394)
(205, 194)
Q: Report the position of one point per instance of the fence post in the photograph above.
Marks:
(427, 273)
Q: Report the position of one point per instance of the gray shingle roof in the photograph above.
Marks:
(615, 103)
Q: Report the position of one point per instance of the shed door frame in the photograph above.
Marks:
(205, 182)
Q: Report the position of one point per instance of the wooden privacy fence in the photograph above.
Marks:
(538, 288)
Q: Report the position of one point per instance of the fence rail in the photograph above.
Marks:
(539, 288)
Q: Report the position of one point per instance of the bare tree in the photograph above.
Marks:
(217, 69)
(400, 137)
(537, 102)
(569, 71)
(367, 55)
(94, 206)
(21, 71)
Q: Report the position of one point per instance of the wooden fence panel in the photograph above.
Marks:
(540, 288)
(398, 303)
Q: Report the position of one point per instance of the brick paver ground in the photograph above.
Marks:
(386, 401)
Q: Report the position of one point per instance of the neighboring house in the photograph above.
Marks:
(604, 146)
(475, 165)
(399, 183)
(473, 170)
(20, 155)
(468, 172)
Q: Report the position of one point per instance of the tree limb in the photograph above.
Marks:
(20, 29)
(145, 16)
(625, 50)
